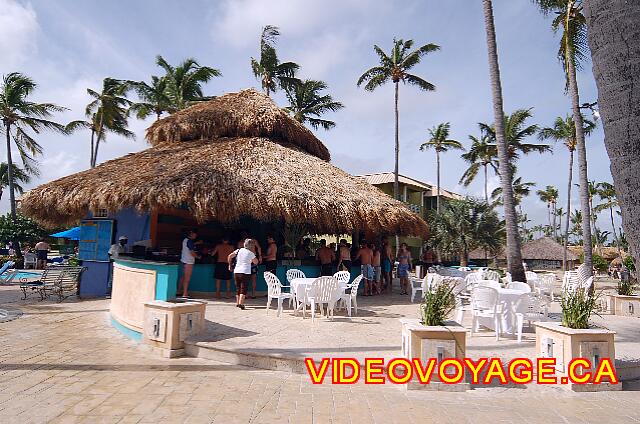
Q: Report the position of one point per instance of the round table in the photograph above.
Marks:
(508, 300)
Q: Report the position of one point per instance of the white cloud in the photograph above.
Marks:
(18, 32)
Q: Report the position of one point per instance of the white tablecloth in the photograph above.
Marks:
(508, 299)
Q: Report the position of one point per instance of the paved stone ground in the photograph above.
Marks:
(63, 363)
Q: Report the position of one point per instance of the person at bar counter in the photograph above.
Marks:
(404, 266)
(387, 256)
(118, 248)
(325, 256)
(270, 258)
(222, 274)
(245, 260)
(188, 259)
(257, 250)
(344, 253)
(365, 255)
(377, 268)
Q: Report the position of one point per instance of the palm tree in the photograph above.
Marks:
(18, 175)
(564, 129)
(153, 98)
(520, 191)
(480, 154)
(269, 70)
(517, 130)
(107, 112)
(395, 67)
(550, 196)
(465, 225)
(441, 143)
(184, 82)
(576, 223)
(513, 252)
(573, 50)
(19, 116)
(614, 40)
(307, 104)
(607, 193)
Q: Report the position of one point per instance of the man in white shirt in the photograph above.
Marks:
(188, 258)
(118, 248)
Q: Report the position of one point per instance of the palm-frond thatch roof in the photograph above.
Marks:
(225, 178)
(244, 114)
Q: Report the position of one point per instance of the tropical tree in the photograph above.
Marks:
(550, 196)
(481, 154)
(513, 252)
(465, 225)
(576, 224)
(395, 67)
(20, 118)
(615, 46)
(307, 104)
(570, 21)
(107, 112)
(154, 99)
(268, 69)
(564, 130)
(18, 175)
(184, 82)
(607, 193)
(517, 130)
(521, 190)
(592, 192)
(441, 143)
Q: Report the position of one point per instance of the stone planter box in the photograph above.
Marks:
(439, 342)
(564, 344)
(168, 324)
(626, 306)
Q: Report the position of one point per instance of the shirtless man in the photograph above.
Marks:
(365, 254)
(270, 258)
(387, 265)
(377, 268)
(222, 273)
(344, 263)
(325, 256)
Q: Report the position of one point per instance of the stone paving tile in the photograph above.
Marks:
(63, 363)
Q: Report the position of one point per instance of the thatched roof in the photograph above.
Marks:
(223, 179)
(244, 114)
(542, 249)
(609, 253)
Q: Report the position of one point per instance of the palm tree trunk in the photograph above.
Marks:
(12, 196)
(95, 154)
(486, 192)
(396, 185)
(555, 220)
(513, 252)
(437, 181)
(582, 166)
(566, 227)
(93, 134)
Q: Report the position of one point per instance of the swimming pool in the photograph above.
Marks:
(24, 275)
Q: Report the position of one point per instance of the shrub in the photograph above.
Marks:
(437, 304)
(600, 263)
(628, 262)
(577, 307)
(626, 287)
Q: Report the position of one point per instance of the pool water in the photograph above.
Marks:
(20, 275)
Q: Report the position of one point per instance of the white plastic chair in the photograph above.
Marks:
(491, 275)
(292, 274)
(351, 299)
(545, 284)
(531, 276)
(530, 307)
(484, 303)
(587, 284)
(323, 290)
(417, 285)
(343, 277)
(274, 291)
(507, 278)
(489, 283)
(30, 260)
(517, 285)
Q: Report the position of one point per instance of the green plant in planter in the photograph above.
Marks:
(577, 307)
(627, 287)
(437, 304)
(628, 262)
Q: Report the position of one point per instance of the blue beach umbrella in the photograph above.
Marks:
(71, 234)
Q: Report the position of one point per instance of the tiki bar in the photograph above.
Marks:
(237, 164)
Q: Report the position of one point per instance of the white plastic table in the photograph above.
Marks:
(507, 299)
(299, 287)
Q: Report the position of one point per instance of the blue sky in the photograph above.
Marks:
(67, 46)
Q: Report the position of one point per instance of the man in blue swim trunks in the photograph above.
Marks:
(365, 255)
